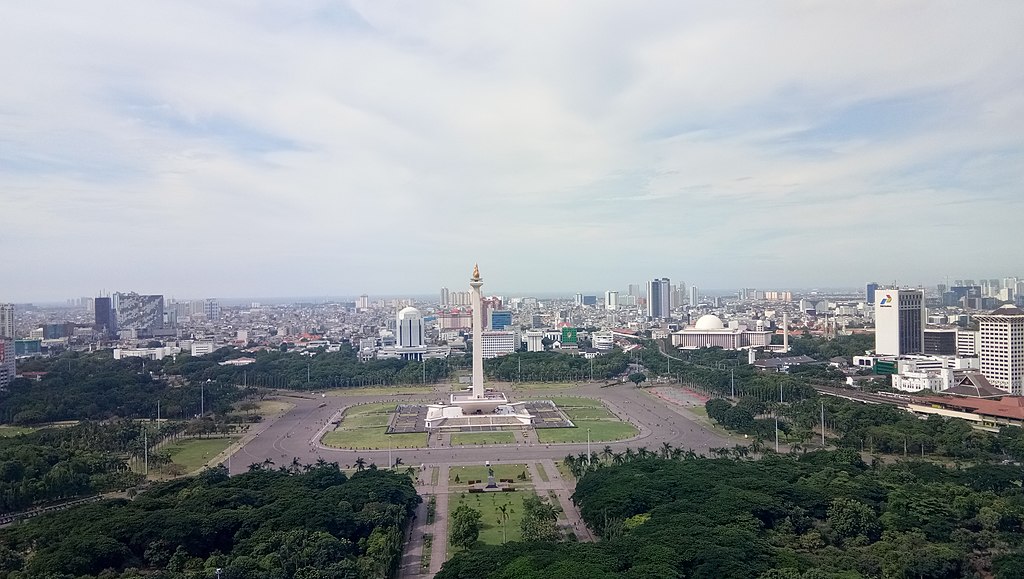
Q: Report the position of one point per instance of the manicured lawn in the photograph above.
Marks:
(193, 453)
(379, 391)
(501, 471)
(6, 431)
(365, 427)
(600, 431)
(564, 402)
(373, 439)
(499, 437)
(544, 385)
(490, 519)
(267, 408)
(589, 414)
(540, 471)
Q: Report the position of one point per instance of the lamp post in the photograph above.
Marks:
(588, 447)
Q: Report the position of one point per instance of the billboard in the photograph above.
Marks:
(568, 335)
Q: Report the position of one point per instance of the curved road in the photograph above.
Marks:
(295, 434)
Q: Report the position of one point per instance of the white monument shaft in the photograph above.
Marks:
(478, 351)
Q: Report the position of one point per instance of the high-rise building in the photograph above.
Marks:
(659, 303)
(869, 293)
(105, 317)
(501, 319)
(409, 330)
(579, 299)
(7, 369)
(211, 308)
(444, 301)
(139, 312)
(7, 321)
(1001, 348)
(694, 296)
(611, 300)
(363, 302)
(899, 321)
(635, 290)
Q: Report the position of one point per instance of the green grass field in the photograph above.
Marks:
(6, 431)
(541, 472)
(380, 391)
(564, 402)
(490, 516)
(365, 427)
(193, 453)
(600, 431)
(589, 414)
(544, 385)
(466, 473)
(499, 437)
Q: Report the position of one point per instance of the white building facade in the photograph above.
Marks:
(1001, 348)
(899, 322)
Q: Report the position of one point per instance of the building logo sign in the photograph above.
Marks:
(569, 335)
(886, 301)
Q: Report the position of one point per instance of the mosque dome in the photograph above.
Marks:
(409, 313)
(709, 322)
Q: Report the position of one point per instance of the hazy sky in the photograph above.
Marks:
(321, 148)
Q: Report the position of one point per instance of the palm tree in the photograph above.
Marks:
(255, 467)
(666, 450)
(267, 463)
(595, 461)
(618, 458)
(643, 453)
(607, 453)
(502, 520)
(630, 454)
(398, 461)
(360, 463)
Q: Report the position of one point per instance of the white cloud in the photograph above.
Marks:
(310, 148)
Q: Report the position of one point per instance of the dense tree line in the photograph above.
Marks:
(94, 386)
(63, 463)
(312, 524)
(821, 515)
(277, 369)
(555, 366)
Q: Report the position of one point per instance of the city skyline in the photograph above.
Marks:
(286, 150)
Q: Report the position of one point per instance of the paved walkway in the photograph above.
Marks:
(564, 489)
(440, 548)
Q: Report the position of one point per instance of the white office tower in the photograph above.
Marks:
(694, 296)
(7, 369)
(1001, 349)
(899, 321)
(658, 298)
(445, 297)
(611, 300)
(7, 321)
(410, 328)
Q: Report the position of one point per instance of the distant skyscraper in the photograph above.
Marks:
(899, 322)
(579, 299)
(658, 298)
(409, 328)
(694, 296)
(611, 300)
(444, 297)
(501, 319)
(139, 312)
(636, 290)
(869, 293)
(7, 321)
(1001, 348)
(211, 308)
(363, 302)
(105, 320)
(7, 370)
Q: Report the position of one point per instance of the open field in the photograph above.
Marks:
(6, 431)
(499, 437)
(501, 471)
(564, 402)
(365, 427)
(193, 453)
(490, 520)
(379, 390)
(589, 414)
(267, 408)
(542, 385)
(600, 431)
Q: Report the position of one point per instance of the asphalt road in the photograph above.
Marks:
(295, 434)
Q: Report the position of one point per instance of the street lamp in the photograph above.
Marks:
(588, 447)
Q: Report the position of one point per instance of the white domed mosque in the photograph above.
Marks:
(711, 332)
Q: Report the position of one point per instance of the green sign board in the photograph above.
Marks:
(568, 335)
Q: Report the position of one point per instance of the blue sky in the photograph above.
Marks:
(238, 148)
